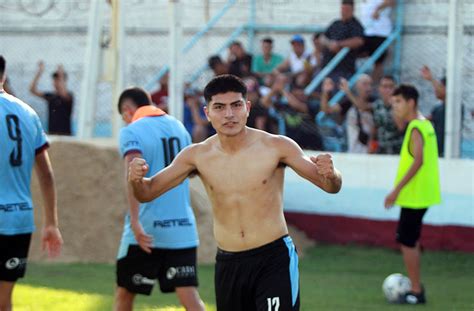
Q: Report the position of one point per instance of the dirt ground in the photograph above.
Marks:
(90, 183)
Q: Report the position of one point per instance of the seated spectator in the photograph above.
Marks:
(240, 62)
(316, 57)
(258, 113)
(298, 60)
(345, 32)
(217, 65)
(388, 131)
(266, 62)
(160, 97)
(377, 22)
(60, 101)
(356, 111)
(437, 115)
(293, 106)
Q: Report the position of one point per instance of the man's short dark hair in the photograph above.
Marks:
(267, 40)
(3, 64)
(407, 91)
(237, 43)
(214, 60)
(55, 75)
(137, 95)
(223, 84)
(389, 77)
(350, 2)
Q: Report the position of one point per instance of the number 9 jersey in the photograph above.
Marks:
(168, 218)
(21, 138)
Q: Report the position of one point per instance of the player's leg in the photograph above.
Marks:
(408, 234)
(136, 273)
(13, 261)
(178, 272)
(189, 297)
(6, 290)
(123, 299)
(278, 284)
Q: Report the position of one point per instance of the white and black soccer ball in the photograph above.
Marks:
(395, 286)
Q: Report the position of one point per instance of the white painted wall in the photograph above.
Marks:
(367, 179)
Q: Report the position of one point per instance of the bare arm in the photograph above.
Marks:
(385, 4)
(147, 189)
(295, 103)
(283, 67)
(51, 237)
(352, 43)
(34, 84)
(328, 86)
(318, 170)
(416, 148)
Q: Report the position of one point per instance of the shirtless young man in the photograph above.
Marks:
(242, 170)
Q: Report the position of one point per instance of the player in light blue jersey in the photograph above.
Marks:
(23, 144)
(160, 239)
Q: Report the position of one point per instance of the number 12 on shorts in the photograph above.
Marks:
(273, 303)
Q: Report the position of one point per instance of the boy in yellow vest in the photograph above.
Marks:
(416, 186)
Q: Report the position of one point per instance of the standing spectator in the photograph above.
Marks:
(265, 63)
(24, 145)
(376, 18)
(345, 32)
(160, 97)
(438, 113)
(240, 62)
(416, 185)
(217, 65)
(388, 130)
(356, 110)
(60, 102)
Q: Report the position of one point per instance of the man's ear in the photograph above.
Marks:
(206, 111)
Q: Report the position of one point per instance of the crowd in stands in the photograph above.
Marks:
(361, 122)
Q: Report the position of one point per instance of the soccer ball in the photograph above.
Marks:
(395, 286)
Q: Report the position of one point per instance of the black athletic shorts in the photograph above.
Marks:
(13, 256)
(409, 226)
(371, 43)
(138, 270)
(264, 279)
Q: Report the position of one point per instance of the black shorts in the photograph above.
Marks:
(13, 256)
(265, 278)
(409, 226)
(138, 270)
(371, 43)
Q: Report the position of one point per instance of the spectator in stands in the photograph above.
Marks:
(356, 110)
(291, 104)
(388, 131)
(298, 60)
(316, 57)
(258, 113)
(437, 116)
(217, 65)
(266, 62)
(345, 32)
(60, 101)
(376, 18)
(194, 118)
(240, 62)
(160, 97)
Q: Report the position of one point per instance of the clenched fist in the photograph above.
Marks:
(324, 165)
(137, 170)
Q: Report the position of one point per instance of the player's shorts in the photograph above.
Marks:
(371, 43)
(409, 226)
(265, 278)
(13, 256)
(138, 270)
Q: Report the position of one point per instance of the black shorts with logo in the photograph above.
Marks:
(409, 226)
(264, 279)
(13, 256)
(138, 270)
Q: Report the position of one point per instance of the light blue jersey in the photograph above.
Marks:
(21, 138)
(169, 218)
